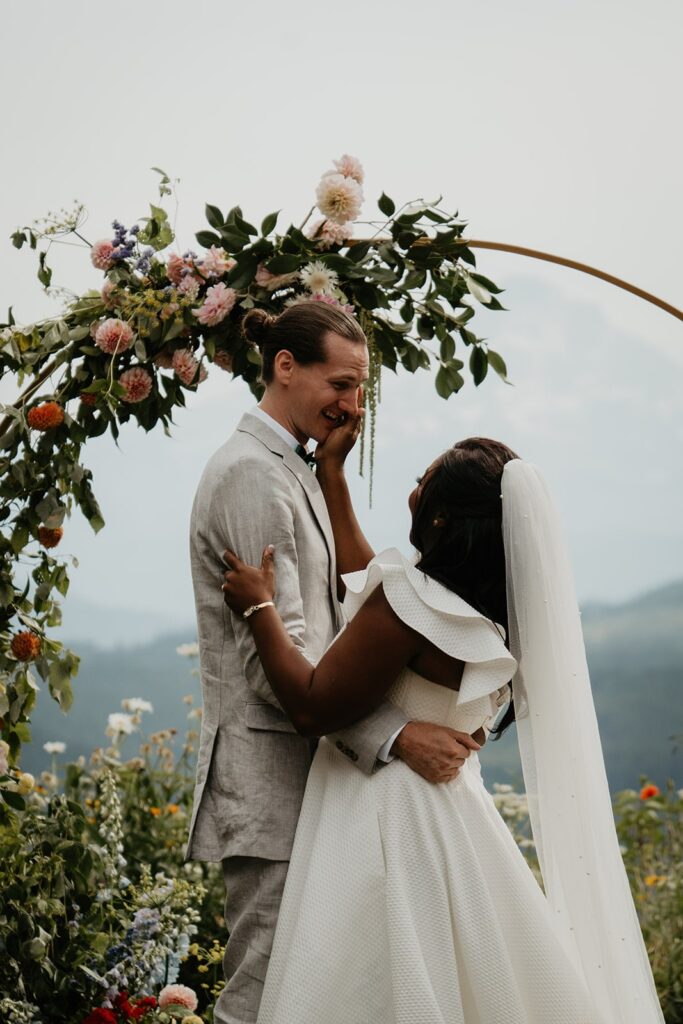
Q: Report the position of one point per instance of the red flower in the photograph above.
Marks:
(45, 416)
(88, 399)
(100, 1015)
(143, 1006)
(121, 1003)
(50, 538)
(649, 791)
(25, 646)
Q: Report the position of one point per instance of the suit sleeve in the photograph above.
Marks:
(362, 741)
(252, 508)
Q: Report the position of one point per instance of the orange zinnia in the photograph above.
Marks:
(50, 538)
(45, 416)
(155, 811)
(25, 646)
(649, 791)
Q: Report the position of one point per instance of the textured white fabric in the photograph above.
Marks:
(564, 770)
(410, 903)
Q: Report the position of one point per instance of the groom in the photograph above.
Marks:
(252, 765)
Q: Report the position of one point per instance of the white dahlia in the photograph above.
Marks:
(339, 198)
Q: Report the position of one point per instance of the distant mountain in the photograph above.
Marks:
(635, 655)
(87, 624)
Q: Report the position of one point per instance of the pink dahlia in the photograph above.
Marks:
(189, 287)
(263, 277)
(339, 198)
(218, 302)
(177, 995)
(328, 233)
(350, 167)
(101, 253)
(215, 263)
(177, 267)
(185, 365)
(137, 383)
(114, 336)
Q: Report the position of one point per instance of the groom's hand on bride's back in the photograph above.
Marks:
(435, 752)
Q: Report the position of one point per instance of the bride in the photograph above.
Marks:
(407, 902)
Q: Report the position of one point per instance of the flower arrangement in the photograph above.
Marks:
(135, 347)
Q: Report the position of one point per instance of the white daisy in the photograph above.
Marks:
(318, 278)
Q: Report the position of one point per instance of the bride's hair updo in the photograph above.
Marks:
(301, 330)
(466, 553)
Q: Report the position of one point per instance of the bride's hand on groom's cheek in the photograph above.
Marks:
(332, 452)
(245, 585)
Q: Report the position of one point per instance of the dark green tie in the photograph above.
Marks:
(308, 457)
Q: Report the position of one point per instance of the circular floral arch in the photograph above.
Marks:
(133, 349)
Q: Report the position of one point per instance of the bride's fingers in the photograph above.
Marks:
(231, 559)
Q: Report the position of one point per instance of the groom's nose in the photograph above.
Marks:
(349, 404)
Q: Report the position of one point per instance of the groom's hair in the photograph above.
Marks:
(466, 553)
(301, 330)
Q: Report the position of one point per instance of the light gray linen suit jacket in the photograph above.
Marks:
(252, 764)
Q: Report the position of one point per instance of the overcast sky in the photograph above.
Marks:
(552, 125)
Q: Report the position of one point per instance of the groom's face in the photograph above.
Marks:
(320, 396)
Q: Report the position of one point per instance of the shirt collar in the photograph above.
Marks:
(277, 427)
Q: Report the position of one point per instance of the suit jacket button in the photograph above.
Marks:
(339, 745)
(354, 755)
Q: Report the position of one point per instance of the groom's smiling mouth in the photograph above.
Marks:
(334, 417)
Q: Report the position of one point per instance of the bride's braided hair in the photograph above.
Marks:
(466, 553)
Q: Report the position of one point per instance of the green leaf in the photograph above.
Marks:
(479, 364)
(357, 252)
(386, 205)
(207, 238)
(284, 264)
(244, 271)
(44, 272)
(244, 226)
(442, 383)
(14, 800)
(18, 239)
(214, 216)
(497, 363)
(233, 239)
(269, 222)
(425, 327)
(96, 521)
(487, 283)
(19, 538)
(447, 348)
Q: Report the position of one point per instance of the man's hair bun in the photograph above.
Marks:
(257, 325)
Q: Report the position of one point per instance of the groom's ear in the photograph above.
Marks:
(283, 366)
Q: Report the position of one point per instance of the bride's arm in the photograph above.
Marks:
(351, 546)
(354, 675)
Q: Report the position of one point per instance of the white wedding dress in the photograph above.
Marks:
(407, 902)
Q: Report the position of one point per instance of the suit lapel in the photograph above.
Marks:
(303, 473)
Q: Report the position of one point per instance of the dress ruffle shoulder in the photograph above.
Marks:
(445, 619)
